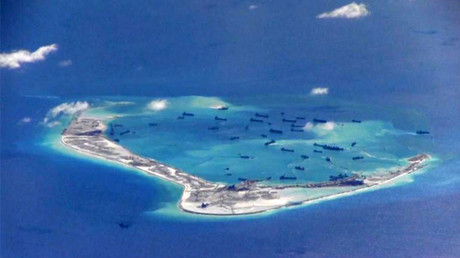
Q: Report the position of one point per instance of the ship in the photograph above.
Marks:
(299, 168)
(256, 120)
(287, 150)
(125, 132)
(270, 142)
(187, 114)
(220, 118)
(289, 120)
(124, 224)
(339, 177)
(234, 138)
(353, 144)
(358, 157)
(283, 177)
(328, 147)
(356, 121)
(304, 156)
(296, 130)
(422, 132)
(276, 131)
(319, 120)
(261, 115)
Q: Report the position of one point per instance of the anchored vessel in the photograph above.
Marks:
(319, 120)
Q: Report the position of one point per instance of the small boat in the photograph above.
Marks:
(304, 156)
(268, 178)
(116, 140)
(223, 108)
(300, 118)
(289, 120)
(220, 119)
(276, 131)
(317, 151)
(356, 121)
(261, 115)
(358, 157)
(213, 128)
(125, 132)
(319, 120)
(187, 114)
(283, 177)
(180, 117)
(339, 177)
(296, 130)
(287, 150)
(263, 135)
(118, 125)
(422, 132)
(328, 159)
(270, 142)
(299, 168)
(242, 179)
(153, 124)
(124, 224)
(296, 126)
(256, 120)
(353, 144)
(244, 156)
(234, 138)
(204, 205)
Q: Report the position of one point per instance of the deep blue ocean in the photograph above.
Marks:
(398, 67)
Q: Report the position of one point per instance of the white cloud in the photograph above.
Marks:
(328, 126)
(308, 126)
(158, 104)
(253, 7)
(14, 59)
(319, 128)
(65, 63)
(64, 109)
(349, 11)
(319, 91)
(25, 120)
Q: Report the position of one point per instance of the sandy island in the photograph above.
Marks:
(86, 135)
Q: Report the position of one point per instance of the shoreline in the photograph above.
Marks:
(85, 135)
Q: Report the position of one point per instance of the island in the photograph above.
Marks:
(86, 135)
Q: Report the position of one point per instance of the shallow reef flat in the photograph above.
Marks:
(86, 135)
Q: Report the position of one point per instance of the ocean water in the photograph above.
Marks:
(397, 70)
